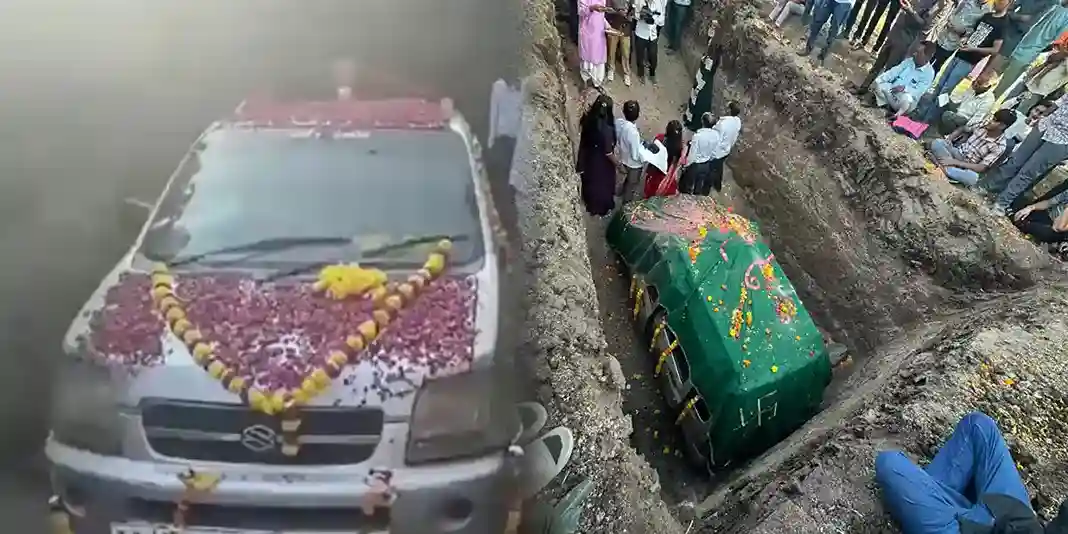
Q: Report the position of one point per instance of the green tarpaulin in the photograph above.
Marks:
(755, 356)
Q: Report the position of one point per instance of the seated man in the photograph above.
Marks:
(971, 487)
(977, 153)
(900, 88)
(969, 107)
(1022, 127)
(1045, 221)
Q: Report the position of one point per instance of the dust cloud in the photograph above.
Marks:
(99, 100)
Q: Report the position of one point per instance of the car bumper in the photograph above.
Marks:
(457, 497)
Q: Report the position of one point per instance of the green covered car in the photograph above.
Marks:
(736, 355)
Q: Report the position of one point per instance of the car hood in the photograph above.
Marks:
(276, 334)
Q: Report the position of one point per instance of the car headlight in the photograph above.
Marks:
(85, 412)
(460, 416)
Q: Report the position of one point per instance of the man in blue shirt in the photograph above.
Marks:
(900, 88)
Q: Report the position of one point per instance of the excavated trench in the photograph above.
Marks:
(925, 286)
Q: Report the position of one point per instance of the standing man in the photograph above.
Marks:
(1044, 148)
(1023, 15)
(835, 10)
(697, 176)
(678, 14)
(649, 18)
(1047, 28)
(1043, 79)
(632, 155)
(620, 22)
(916, 17)
(728, 127)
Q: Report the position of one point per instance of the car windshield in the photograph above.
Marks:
(382, 187)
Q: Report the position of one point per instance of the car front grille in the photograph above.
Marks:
(236, 434)
(263, 518)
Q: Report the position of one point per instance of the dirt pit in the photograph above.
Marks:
(944, 307)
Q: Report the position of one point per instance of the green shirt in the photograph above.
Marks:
(1049, 27)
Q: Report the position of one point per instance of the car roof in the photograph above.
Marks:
(400, 114)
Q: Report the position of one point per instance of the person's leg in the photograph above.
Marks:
(891, 14)
(997, 178)
(877, 68)
(633, 188)
(806, 16)
(882, 95)
(793, 8)
(624, 57)
(1047, 156)
(868, 23)
(838, 15)
(854, 12)
(975, 461)
(902, 103)
(964, 176)
(640, 55)
(914, 498)
(956, 71)
(822, 12)
(951, 120)
(1039, 226)
(1026, 104)
(940, 57)
(780, 6)
(1012, 72)
(677, 14)
(612, 44)
(939, 149)
(716, 176)
(651, 50)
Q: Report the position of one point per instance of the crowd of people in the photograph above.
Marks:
(615, 163)
(980, 82)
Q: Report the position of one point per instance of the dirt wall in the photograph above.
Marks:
(873, 238)
(949, 309)
(580, 384)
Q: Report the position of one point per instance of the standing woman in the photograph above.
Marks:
(593, 44)
(596, 163)
(658, 183)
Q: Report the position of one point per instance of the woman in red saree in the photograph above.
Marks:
(658, 183)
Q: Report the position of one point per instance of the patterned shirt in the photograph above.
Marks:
(1055, 126)
(983, 149)
(963, 19)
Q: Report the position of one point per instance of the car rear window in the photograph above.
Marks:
(379, 187)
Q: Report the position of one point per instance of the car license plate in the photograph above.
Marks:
(149, 528)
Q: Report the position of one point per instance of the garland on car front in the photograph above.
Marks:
(337, 282)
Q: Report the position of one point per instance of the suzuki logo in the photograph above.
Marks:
(258, 438)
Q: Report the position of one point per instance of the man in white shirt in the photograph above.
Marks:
(835, 10)
(728, 127)
(649, 16)
(699, 172)
(632, 155)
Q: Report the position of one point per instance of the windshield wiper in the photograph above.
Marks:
(272, 244)
(367, 254)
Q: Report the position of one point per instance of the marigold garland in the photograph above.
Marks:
(685, 410)
(664, 356)
(338, 281)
